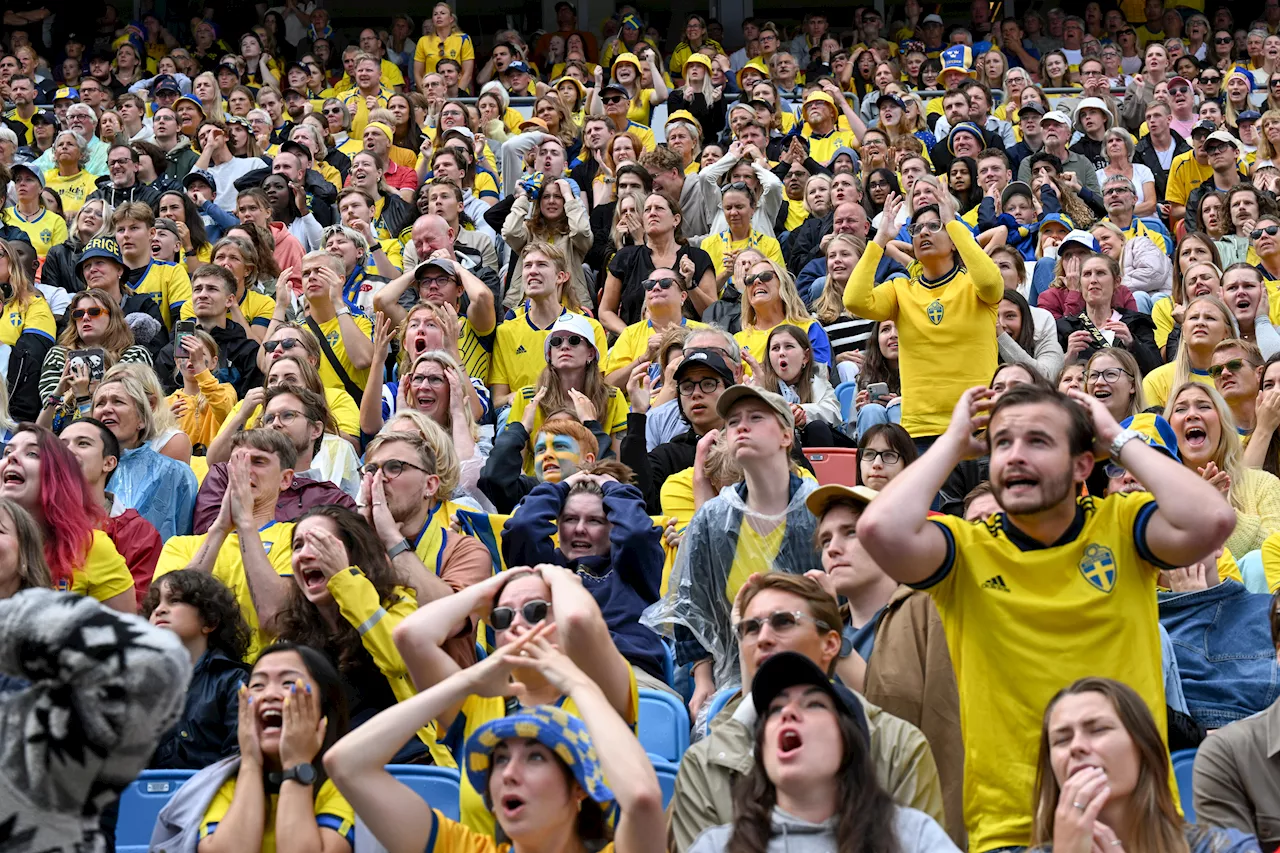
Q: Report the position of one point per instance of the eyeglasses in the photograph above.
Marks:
(659, 283)
(764, 277)
(1270, 231)
(1215, 147)
(933, 226)
(81, 313)
(887, 457)
(533, 611)
(706, 386)
(1116, 191)
(286, 344)
(1111, 375)
(560, 340)
(285, 417)
(880, 184)
(780, 621)
(436, 280)
(391, 469)
(430, 379)
(1180, 90)
(1097, 74)
(120, 161)
(612, 99)
(1234, 365)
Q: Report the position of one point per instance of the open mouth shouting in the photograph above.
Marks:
(1195, 436)
(789, 744)
(1019, 483)
(270, 721)
(512, 806)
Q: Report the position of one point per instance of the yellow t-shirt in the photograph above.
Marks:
(228, 567)
(1185, 174)
(172, 288)
(331, 808)
(1023, 620)
(341, 404)
(476, 349)
(823, 148)
(333, 335)
(1271, 561)
(643, 133)
(756, 551)
(256, 307)
(519, 349)
(475, 712)
(104, 574)
(35, 318)
(46, 230)
(640, 111)
(613, 419)
(634, 343)
(716, 245)
(1162, 316)
(1157, 384)
(797, 213)
(355, 102)
(73, 191)
(431, 49)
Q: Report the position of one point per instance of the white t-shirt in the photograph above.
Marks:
(226, 176)
(1141, 175)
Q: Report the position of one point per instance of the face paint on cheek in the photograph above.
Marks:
(552, 464)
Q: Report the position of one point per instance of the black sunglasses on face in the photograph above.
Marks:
(1227, 40)
(559, 340)
(1180, 90)
(287, 344)
(1270, 231)
(1234, 365)
(659, 283)
(533, 612)
(766, 277)
(612, 99)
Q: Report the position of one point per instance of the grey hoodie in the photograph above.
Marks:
(917, 833)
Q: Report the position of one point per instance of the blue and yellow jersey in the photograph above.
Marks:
(431, 49)
(228, 567)
(104, 573)
(171, 285)
(45, 230)
(519, 349)
(256, 307)
(356, 103)
(74, 190)
(613, 420)
(823, 148)
(331, 808)
(34, 318)
(719, 244)
(643, 132)
(1185, 174)
(1024, 619)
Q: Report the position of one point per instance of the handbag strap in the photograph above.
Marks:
(354, 390)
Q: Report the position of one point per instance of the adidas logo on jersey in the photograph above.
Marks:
(520, 350)
(996, 583)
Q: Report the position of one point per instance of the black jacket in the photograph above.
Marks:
(1140, 325)
(711, 116)
(26, 360)
(503, 480)
(320, 193)
(207, 731)
(237, 360)
(60, 265)
(805, 243)
(1145, 153)
(115, 196)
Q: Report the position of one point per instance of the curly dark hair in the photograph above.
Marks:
(217, 606)
(301, 622)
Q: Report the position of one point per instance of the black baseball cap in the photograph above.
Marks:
(708, 358)
(1033, 107)
(789, 669)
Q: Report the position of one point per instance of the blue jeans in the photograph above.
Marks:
(874, 413)
(1146, 301)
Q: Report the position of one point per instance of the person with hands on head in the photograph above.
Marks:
(1092, 561)
(607, 538)
(545, 601)
(547, 210)
(246, 548)
(400, 498)
(349, 354)
(276, 794)
(950, 303)
(1102, 777)
(542, 769)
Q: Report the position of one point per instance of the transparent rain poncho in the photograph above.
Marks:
(697, 598)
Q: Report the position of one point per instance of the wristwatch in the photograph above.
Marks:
(1122, 438)
(304, 774)
(399, 548)
(344, 310)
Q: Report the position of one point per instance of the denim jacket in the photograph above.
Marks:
(1222, 639)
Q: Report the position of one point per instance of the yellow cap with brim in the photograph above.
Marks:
(627, 57)
(754, 65)
(824, 496)
(681, 115)
(582, 90)
(696, 59)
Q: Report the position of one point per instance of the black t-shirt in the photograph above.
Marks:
(633, 264)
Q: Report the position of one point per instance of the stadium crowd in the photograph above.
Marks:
(903, 412)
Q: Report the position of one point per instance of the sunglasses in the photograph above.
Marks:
(659, 283)
(765, 277)
(612, 99)
(1235, 365)
(1180, 90)
(391, 469)
(81, 313)
(1227, 40)
(1270, 231)
(287, 344)
(1216, 147)
(560, 340)
(780, 621)
(533, 612)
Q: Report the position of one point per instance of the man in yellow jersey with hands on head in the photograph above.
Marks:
(1053, 589)
(246, 548)
(947, 306)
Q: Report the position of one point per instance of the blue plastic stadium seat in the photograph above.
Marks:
(666, 771)
(140, 805)
(1183, 761)
(719, 700)
(845, 392)
(439, 786)
(664, 725)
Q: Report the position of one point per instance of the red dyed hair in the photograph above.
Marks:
(70, 512)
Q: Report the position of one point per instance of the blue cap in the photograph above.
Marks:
(518, 65)
(1155, 431)
(166, 83)
(1060, 218)
(101, 247)
(965, 127)
(893, 99)
(199, 174)
(549, 725)
(1248, 115)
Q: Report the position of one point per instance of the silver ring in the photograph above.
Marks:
(1080, 806)
(1115, 843)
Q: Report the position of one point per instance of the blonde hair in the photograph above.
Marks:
(793, 306)
(448, 468)
(1138, 401)
(1182, 362)
(136, 390)
(830, 305)
(1228, 455)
